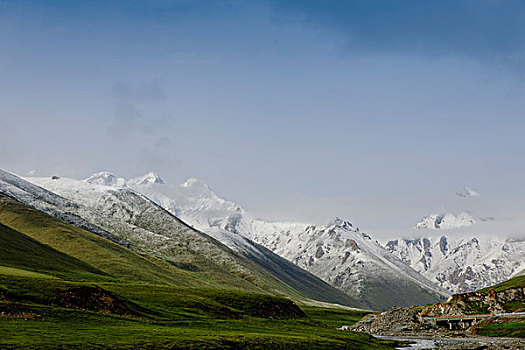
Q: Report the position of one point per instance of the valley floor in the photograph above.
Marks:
(51, 313)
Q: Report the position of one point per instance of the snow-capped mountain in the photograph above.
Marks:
(350, 260)
(127, 218)
(338, 253)
(462, 264)
(106, 179)
(449, 221)
(132, 219)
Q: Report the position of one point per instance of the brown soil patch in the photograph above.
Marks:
(94, 298)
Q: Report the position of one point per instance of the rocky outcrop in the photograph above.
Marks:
(477, 302)
(394, 321)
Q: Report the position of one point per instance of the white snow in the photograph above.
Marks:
(106, 179)
(462, 264)
(449, 221)
(336, 252)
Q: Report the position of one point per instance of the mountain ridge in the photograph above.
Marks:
(195, 203)
(150, 229)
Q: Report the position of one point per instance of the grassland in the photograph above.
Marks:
(64, 288)
(33, 314)
(518, 281)
(514, 328)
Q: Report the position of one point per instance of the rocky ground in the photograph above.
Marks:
(467, 343)
(408, 324)
(477, 302)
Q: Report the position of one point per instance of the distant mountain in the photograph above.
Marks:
(106, 178)
(462, 264)
(449, 221)
(338, 253)
(350, 260)
(132, 219)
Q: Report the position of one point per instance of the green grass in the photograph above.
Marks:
(504, 329)
(76, 247)
(13, 271)
(334, 317)
(63, 287)
(512, 283)
(173, 317)
(74, 329)
(19, 250)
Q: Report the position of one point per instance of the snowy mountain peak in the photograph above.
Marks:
(461, 264)
(149, 178)
(343, 224)
(106, 178)
(196, 187)
(448, 221)
(467, 192)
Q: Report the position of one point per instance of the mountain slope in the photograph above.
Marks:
(136, 222)
(449, 221)
(350, 260)
(20, 251)
(462, 264)
(135, 219)
(103, 255)
(337, 253)
(152, 232)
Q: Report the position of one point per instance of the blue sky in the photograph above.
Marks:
(375, 111)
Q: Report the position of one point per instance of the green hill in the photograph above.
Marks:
(51, 313)
(516, 282)
(20, 251)
(143, 228)
(85, 247)
(64, 287)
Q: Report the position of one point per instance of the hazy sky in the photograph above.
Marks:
(375, 111)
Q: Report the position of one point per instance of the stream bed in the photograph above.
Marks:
(421, 343)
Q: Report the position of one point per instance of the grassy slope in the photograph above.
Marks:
(518, 281)
(191, 248)
(513, 328)
(36, 272)
(170, 317)
(506, 327)
(101, 254)
(19, 250)
(501, 327)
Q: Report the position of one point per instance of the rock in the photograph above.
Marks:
(394, 321)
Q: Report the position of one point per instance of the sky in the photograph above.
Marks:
(373, 111)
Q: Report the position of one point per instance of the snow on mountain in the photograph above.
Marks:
(338, 253)
(350, 260)
(125, 217)
(137, 220)
(462, 264)
(149, 178)
(106, 179)
(449, 221)
(50, 203)
(467, 192)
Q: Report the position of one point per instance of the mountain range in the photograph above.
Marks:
(337, 253)
(144, 229)
(334, 262)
